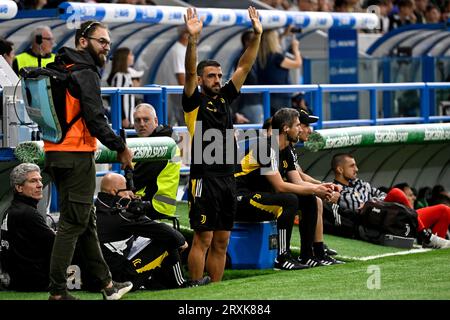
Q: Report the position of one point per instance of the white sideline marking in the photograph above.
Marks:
(400, 253)
(389, 254)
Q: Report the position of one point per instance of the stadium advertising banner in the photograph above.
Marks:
(172, 15)
(343, 68)
(8, 9)
(378, 135)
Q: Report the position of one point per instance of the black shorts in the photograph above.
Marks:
(212, 203)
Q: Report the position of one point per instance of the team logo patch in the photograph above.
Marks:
(203, 219)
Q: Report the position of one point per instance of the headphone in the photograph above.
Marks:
(39, 39)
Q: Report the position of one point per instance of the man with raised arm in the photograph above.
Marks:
(212, 187)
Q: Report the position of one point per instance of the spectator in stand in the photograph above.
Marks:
(31, 4)
(347, 6)
(278, 4)
(305, 5)
(446, 11)
(382, 8)
(172, 72)
(7, 50)
(120, 76)
(356, 192)
(432, 14)
(273, 66)
(325, 6)
(420, 8)
(405, 15)
(40, 52)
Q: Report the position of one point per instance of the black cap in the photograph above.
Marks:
(306, 118)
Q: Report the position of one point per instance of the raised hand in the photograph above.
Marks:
(254, 17)
(193, 24)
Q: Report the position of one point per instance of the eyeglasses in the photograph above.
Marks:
(103, 42)
(48, 39)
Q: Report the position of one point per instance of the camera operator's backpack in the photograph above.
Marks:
(44, 93)
(388, 223)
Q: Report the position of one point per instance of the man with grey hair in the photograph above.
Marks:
(26, 239)
(40, 52)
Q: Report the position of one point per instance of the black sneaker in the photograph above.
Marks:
(329, 251)
(117, 290)
(286, 262)
(326, 260)
(311, 262)
(200, 282)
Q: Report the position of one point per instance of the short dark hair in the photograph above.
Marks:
(284, 117)
(402, 186)
(87, 29)
(206, 63)
(338, 159)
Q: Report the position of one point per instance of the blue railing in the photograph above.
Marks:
(159, 98)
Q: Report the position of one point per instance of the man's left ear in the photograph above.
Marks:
(83, 42)
(19, 188)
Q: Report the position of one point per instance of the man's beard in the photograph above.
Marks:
(293, 139)
(99, 59)
(211, 92)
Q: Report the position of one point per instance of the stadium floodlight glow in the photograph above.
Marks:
(8, 9)
(172, 15)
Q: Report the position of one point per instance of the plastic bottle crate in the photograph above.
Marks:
(253, 245)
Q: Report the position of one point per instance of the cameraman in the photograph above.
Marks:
(136, 248)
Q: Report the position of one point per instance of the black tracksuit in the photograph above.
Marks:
(118, 230)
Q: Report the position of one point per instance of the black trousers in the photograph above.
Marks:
(263, 206)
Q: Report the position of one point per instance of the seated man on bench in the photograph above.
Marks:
(264, 195)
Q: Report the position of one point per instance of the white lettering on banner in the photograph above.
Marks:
(335, 71)
(343, 141)
(149, 152)
(346, 43)
(436, 134)
(390, 136)
(121, 13)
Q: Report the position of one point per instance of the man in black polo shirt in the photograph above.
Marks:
(212, 189)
